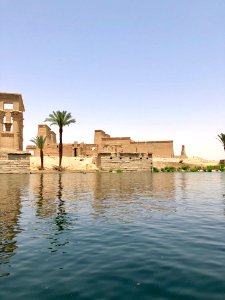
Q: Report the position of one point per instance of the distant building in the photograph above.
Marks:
(103, 143)
(11, 122)
(11, 137)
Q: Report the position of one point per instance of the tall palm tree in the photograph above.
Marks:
(221, 138)
(61, 119)
(39, 141)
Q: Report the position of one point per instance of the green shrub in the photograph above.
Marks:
(195, 169)
(155, 170)
(170, 169)
(110, 170)
(222, 168)
(119, 171)
(185, 168)
(209, 168)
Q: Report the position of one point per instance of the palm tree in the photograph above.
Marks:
(221, 138)
(61, 119)
(39, 141)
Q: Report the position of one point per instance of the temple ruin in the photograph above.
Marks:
(103, 143)
(11, 122)
(117, 149)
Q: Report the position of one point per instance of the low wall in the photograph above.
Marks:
(124, 161)
(14, 166)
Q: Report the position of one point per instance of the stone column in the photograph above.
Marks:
(2, 114)
(183, 152)
(17, 115)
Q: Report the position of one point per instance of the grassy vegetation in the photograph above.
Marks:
(185, 168)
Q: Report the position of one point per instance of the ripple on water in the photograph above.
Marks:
(112, 236)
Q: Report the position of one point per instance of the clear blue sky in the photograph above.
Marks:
(149, 69)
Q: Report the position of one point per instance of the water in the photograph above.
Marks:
(112, 236)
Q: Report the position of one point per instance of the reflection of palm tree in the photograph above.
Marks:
(40, 196)
(61, 219)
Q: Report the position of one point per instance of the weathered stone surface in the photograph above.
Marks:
(11, 122)
(124, 161)
(15, 166)
(103, 143)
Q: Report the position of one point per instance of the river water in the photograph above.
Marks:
(112, 236)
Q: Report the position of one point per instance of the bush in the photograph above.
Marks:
(195, 169)
(170, 169)
(185, 168)
(209, 168)
(222, 168)
(155, 170)
(119, 171)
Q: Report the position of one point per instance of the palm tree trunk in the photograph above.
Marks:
(60, 147)
(42, 159)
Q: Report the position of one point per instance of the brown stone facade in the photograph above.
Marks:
(103, 143)
(11, 122)
(124, 161)
(108, 144)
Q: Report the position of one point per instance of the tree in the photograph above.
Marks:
(39, 141)
(221, 138)
(61, 119)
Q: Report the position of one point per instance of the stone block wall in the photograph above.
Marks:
(124, 161)
(15, 166)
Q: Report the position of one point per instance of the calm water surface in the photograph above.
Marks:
(112, 236)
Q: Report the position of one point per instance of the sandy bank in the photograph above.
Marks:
(68, 163)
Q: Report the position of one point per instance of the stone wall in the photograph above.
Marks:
(45, 131)
(15, 166)
(108, 144)
(103, 143)
(11, 121)
(124, 161)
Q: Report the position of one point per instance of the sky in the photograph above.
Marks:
(148, 69)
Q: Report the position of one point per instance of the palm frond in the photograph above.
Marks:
(60, 118)
(39, 141)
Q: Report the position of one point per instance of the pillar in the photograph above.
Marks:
(2, 114)
(17, 130)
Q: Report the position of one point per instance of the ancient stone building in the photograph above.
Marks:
(103, 143)
(11, 122)
(44, 130)
(108, 144)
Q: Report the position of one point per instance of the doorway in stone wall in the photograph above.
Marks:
(75, 152)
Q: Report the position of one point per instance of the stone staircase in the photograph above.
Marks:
(15, 166)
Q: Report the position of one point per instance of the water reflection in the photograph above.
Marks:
(44, 190)
(121, 196)
(102, 194)
(12, 188)
(61, 217)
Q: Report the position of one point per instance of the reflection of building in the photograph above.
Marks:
(125, 195)
(10, 209)
(11, 122)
